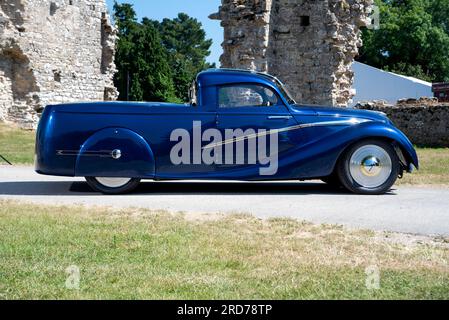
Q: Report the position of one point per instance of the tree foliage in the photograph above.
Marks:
(157, 61)
(413, 39)
(185, 40)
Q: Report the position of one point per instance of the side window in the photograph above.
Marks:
(246, 95)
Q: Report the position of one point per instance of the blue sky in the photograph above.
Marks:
(199, 9)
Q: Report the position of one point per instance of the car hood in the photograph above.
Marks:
(342, 112)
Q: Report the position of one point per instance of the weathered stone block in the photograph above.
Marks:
(299, 41)
(53, 52)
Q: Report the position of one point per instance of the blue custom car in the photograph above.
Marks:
(239, 125)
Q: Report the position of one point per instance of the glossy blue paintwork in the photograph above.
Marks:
(76, 139)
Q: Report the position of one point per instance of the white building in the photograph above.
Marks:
(374, 84)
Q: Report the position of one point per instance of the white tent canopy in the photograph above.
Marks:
(374, 84)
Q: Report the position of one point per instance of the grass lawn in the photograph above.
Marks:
(18, 147)
(136, 253)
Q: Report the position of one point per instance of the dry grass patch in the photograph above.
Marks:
(136, 253)
(434, 168)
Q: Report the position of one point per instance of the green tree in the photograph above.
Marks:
(413, 39)
(186, 42)
(144, 73)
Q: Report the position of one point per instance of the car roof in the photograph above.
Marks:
(225, 76)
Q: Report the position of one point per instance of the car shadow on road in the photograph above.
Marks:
(59, 188)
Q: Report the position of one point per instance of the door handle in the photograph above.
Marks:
(279, 117)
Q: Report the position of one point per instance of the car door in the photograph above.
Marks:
(175, 136)
(257, 113)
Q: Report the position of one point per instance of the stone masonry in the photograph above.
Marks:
(309, 44)
(424, 120)
(53, 52)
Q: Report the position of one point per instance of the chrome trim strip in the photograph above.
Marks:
(350, 122)
(102, 153)
(279, 117)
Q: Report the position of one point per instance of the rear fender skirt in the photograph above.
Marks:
(114, 152)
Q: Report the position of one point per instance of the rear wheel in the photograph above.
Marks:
(369, 167)
(113, 185)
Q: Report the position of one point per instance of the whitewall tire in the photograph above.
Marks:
(113, 185)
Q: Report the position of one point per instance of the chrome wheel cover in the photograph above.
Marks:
(113, 182)
(370, 166)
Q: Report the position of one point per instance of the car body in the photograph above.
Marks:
(132, 140)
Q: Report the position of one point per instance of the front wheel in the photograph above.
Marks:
(369, 167)
(113, 185)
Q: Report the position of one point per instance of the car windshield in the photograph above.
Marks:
(285, 92)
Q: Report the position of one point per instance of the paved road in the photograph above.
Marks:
(410, 210)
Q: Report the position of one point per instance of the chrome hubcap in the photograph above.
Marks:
(370, 166)
(113, 182)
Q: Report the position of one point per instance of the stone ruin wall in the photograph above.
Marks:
(53, 52)
(309, 44)
(423, 120)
